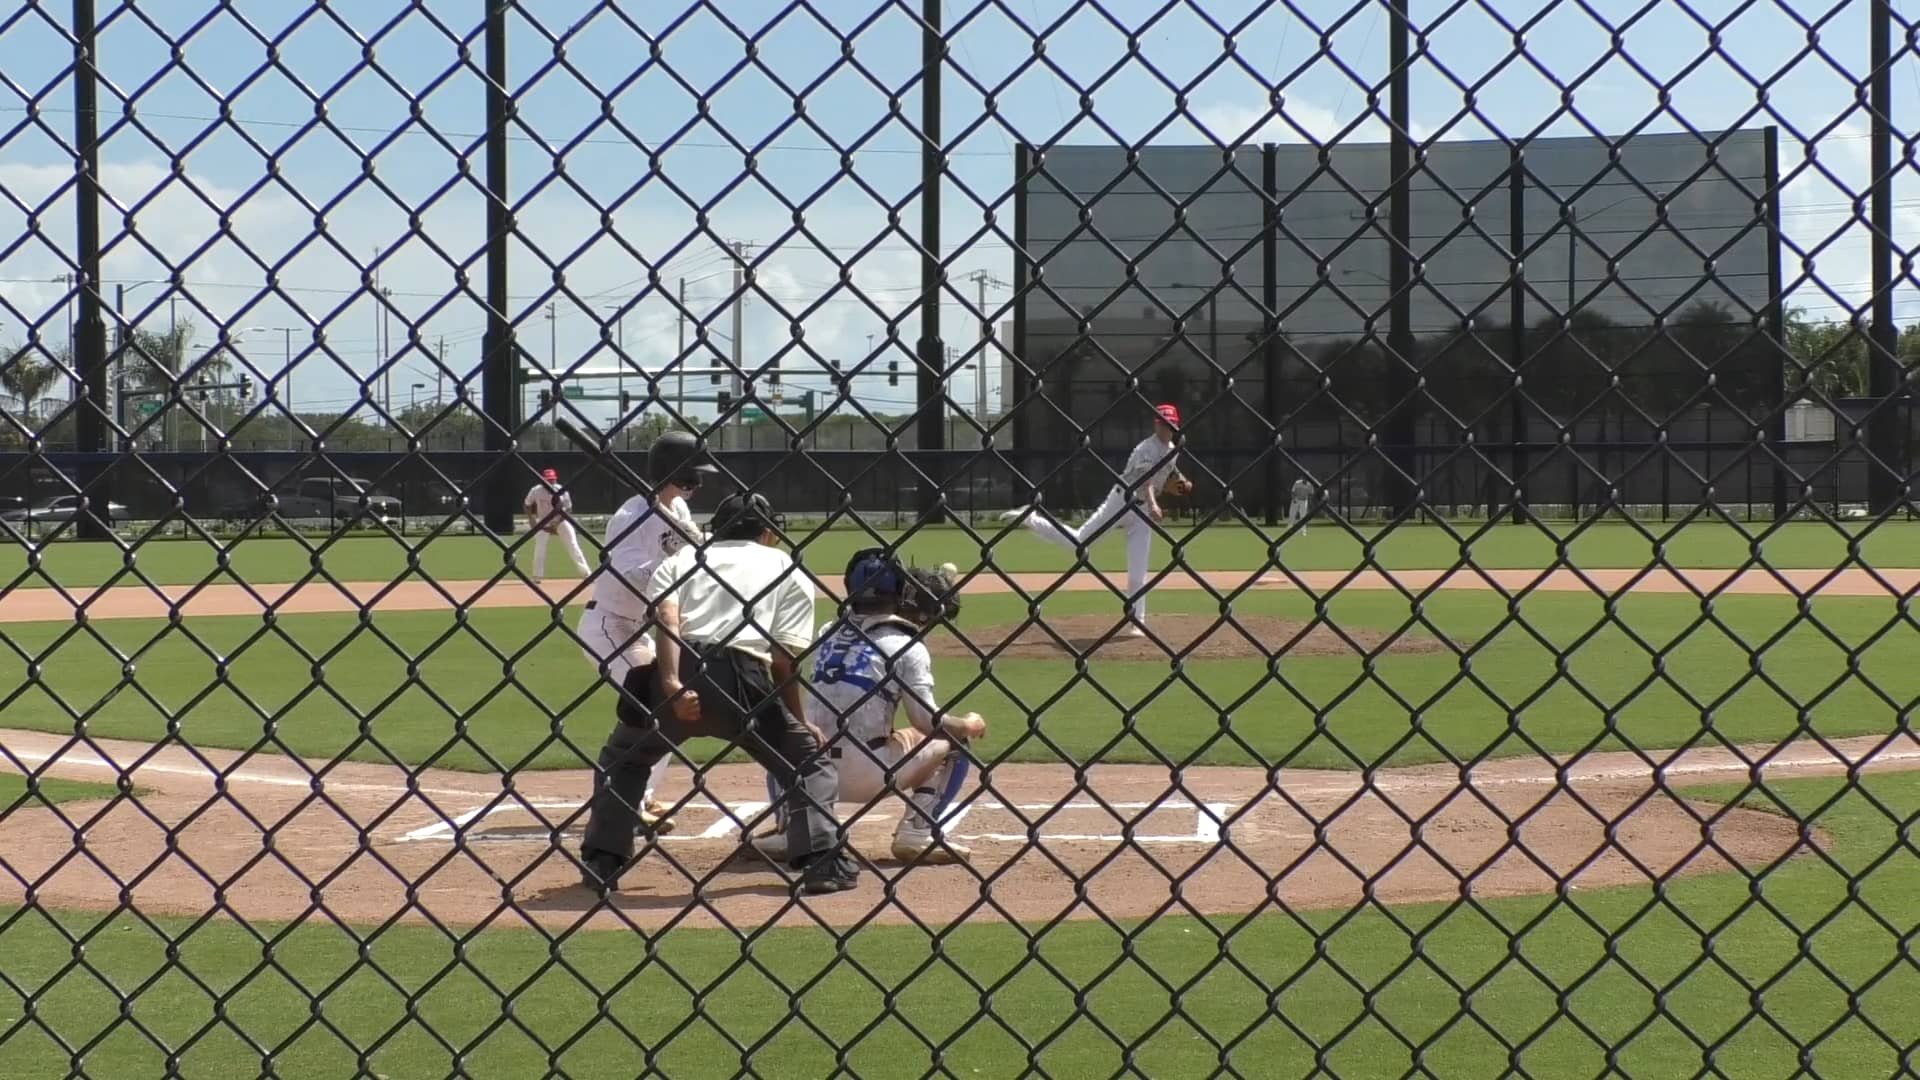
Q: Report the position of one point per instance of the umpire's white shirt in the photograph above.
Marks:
(765, 598)
(639, 537)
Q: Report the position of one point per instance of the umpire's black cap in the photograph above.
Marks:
(741, 509)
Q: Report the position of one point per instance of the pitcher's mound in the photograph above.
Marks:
(1207, 637)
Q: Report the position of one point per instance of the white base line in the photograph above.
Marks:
(1207, 822)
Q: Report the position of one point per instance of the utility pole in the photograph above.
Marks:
(739, 314)
(680, 394)
(553, 337)
(440, 373)
(981, 279)
(293, 418)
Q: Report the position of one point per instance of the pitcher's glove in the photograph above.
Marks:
(1177, 487)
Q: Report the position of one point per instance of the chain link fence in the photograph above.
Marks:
(1503, 665)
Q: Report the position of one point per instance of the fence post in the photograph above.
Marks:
(1270, 322)
(1776, 329)
(1517, 332)
(89, 333)
(1402, 483)
(499, 389)
(1883, 485)
(933, 354)
(1023, 488)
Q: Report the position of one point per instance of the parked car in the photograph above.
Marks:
(341, 500)
(57, 510)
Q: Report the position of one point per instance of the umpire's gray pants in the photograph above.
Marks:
(738, 702)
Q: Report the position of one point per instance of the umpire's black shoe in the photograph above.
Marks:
(829, 873)
(600, 872)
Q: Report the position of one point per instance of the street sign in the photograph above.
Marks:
(147, 409)
(753, 414)
(571, 392)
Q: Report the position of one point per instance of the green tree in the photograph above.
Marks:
(27, 379)
(1827, 357)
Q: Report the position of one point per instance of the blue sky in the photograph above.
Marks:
(332, 197)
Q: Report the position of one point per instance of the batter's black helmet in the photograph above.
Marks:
(741, 509)
(677, 458)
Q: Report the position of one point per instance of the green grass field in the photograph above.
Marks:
(1657, 672)
(15, 795)
(1224, 547)
(1624, 982)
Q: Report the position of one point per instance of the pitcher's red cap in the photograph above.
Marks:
(551, 475)
(1169, 413)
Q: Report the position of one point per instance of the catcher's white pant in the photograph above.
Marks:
(1138, 527)
(563, 531)
(915, 761)
(617, 642)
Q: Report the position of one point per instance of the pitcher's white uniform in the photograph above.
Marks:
(1148, 468)
(614, 629)
(541, 503)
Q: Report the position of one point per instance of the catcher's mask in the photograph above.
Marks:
(876, 582)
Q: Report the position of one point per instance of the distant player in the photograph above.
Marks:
(549, 514)
(645, 530)
(1302, 501)
(1134, 502)
(870, 668)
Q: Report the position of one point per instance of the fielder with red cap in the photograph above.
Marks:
(549, 514)
(1134, 502)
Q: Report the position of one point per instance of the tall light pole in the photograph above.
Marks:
(619, 344)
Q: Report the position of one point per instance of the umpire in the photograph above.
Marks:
(731, 617)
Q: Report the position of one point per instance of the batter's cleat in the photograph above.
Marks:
(600, 872)
(826, 874)
(923, 851)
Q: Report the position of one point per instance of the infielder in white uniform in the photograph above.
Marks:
(549, 514)
(870, 667)
(1134, 502)
(615, 628)
(1302, 502)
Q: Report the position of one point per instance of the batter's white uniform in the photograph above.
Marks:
(1148, 468)
(862, 677)
(614, 629)
(544, 499)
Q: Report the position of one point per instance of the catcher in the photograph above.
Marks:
(1152, 471)
(871, 665)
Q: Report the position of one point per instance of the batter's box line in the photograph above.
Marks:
(1208, 819)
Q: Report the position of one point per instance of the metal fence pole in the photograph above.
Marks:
(1402, 483)
(1884, 470)
(499, 387)
(931, 383)
(89, 337)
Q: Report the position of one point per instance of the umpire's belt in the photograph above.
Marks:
(834, 752)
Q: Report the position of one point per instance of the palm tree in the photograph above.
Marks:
(151, 362)
(27, 379)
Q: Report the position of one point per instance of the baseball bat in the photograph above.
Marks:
(592, 444)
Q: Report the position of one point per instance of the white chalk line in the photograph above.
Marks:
(1207, 822)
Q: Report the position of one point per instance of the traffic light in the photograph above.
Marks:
(893, 373)
(246, 387)
(773, 374)
(713, 377)
(725, 401)
(626, 400)
(546, 400)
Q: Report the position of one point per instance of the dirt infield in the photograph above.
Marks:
(1193, 637)
(221, 598)
(267, 839)
(369, 843)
